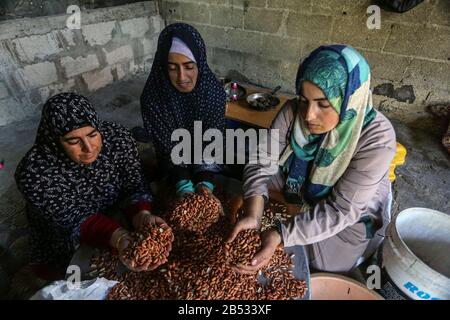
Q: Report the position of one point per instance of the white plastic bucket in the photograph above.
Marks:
(416, 254)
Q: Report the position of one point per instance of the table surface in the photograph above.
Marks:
(242, 112)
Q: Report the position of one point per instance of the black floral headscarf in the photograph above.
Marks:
(165, 109)
(60, 193)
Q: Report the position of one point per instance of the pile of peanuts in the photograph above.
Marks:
(149, 246)
(104, 265)
(275, 210)
(243, 248)
(196, 212)
(199, 268)
(120, 292)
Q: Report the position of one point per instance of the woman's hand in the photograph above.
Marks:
(140, 221)
(120, 240)
(244, 224)
(144, 217)
(253, 211)
(270, 240)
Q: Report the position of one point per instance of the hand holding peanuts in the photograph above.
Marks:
(270, 239)
(147, 249)
(122, 245)
(144, 218)
(247, 223)
(253, 211)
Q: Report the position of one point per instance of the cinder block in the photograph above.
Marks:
(420, 41)
(288, 74)
(36, 47)
(11, 110)
(121, 54)
(356, 8)
(99, 33)
(136, 28)
(224, 61)
(195, 12)
(441, 13)
(186, 11)
(120, 72)
(262, 71)
(39, 74)
(354, 31)
(329, 7)
(157, 24)
(55, 88)
(232, 39)
(302, 6)
(428, 75)
(281, 48)
(171, 10)
(308, 27)
(6, 61)
(73, 67)
(149, 46)
(389, 67)
(98, 79)
(227, 16)
(3, 91)
(245, 4)
(69, 36)
(263, 20)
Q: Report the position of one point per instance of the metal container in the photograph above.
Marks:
(263, 101)
(416, 254)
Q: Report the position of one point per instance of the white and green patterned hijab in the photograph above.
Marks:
(314, 163)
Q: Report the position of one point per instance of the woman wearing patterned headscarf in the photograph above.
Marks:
(77, 168)
(180, 90)
(333, 168)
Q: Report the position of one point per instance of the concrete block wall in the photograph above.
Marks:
(40, 57)
(264, 40)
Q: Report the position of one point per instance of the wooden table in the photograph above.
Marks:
(242, 112)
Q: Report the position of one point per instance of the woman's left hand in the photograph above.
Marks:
(144, 217)
(270, 239)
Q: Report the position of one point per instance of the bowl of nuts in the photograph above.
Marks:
(263, 101)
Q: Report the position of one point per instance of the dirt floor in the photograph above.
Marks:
(423, 181)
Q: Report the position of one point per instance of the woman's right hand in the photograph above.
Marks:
(253, 211)
(244, 224)
(120, 240)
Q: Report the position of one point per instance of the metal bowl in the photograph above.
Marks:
(262, 101)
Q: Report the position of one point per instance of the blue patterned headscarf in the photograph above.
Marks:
(313, 163)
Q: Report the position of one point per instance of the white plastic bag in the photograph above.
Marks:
(96, 289)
